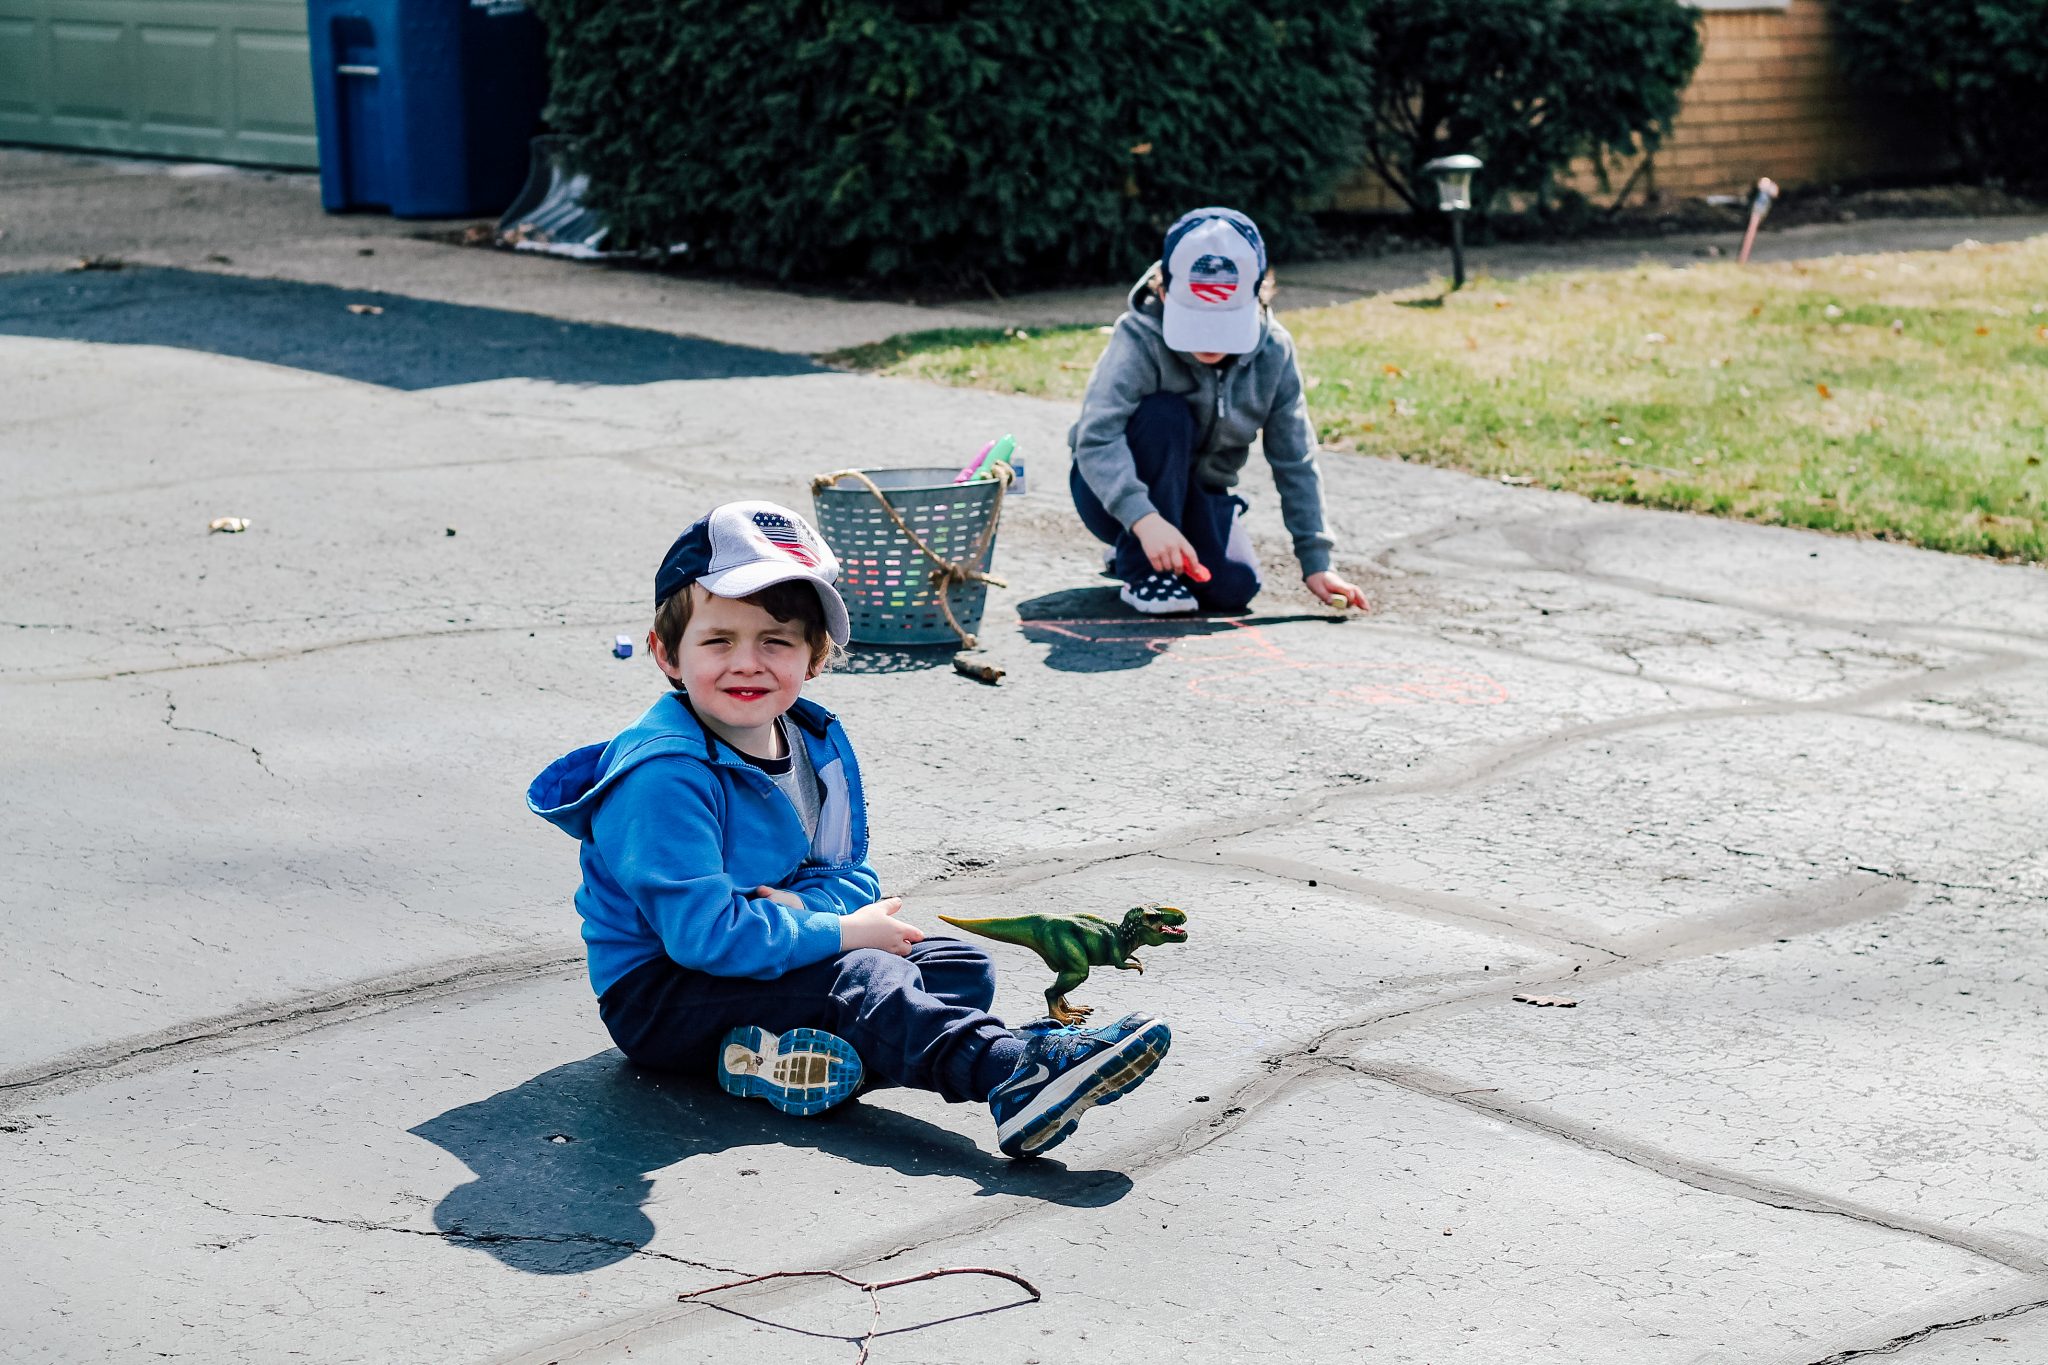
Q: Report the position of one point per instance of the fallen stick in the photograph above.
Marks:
(872, 1289)
(967, 665)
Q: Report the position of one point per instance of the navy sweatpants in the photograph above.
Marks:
(920, 1021)
(1162, 434)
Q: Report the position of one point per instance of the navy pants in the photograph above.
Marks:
(1162, 436)
(920, 1021)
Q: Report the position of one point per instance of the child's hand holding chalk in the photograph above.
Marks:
(1337, 592)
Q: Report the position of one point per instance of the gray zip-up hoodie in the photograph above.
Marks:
(1231, 401)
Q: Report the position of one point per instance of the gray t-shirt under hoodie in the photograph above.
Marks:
(794, 775)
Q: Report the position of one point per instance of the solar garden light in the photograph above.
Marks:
(1453, 176)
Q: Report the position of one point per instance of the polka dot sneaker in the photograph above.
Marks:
(1158, 594)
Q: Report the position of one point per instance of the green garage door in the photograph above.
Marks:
(220, 80)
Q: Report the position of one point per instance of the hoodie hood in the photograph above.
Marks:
(568, 791)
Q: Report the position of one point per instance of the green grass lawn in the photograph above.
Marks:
(1899, 396)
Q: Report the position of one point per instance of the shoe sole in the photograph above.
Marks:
(803, 1072)
(1135, 603)
(1130, 1062)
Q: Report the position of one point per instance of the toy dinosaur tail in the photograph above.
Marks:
(1018, 931)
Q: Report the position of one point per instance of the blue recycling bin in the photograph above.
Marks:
(425, 107)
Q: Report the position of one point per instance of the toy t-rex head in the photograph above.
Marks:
(1155, 924)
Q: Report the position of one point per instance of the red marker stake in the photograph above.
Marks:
(1766, 192)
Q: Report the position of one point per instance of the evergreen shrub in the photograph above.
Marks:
(1983, 63)
(966, 141)
(1528, 86)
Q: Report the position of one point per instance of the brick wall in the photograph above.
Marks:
(1768, 99)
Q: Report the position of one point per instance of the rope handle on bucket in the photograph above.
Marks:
(946, 574)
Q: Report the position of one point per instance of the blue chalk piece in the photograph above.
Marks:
(622, 647)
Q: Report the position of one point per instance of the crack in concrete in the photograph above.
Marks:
(463, 1237)
(1531, 929)
(274, 656)
(242, 477)
(227, 1032)
(1476, 772)
(1541, 557)
(1699, 1175)
(170, 719)
(1899, 1343)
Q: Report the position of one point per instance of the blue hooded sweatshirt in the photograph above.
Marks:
(678, 829)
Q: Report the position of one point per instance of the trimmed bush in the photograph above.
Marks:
(1528, 86)
(1984, 63)
(964, 140)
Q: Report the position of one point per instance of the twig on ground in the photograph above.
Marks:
(872, 1289)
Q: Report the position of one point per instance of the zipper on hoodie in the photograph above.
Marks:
(1218, 373)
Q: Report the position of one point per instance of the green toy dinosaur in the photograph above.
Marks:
(1071, 944)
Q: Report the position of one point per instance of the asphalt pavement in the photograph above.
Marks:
(297, 1060)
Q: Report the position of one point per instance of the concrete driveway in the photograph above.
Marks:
(297, 1060)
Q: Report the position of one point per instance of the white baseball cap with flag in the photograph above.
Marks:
(1214, 260)
(738, 548)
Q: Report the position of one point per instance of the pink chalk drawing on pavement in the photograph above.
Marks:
(1239, 663)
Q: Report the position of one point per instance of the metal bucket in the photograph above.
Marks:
(885, 580)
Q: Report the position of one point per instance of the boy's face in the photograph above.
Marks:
(741, 666)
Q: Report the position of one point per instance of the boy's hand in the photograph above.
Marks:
(1334, 591)
(1167, 549)
(779, 896)
(876, 926)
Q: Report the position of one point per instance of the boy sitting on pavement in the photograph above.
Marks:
(730, 915)
(1194, 369)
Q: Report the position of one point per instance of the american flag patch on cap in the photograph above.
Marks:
(787, 537)
(1212, 279)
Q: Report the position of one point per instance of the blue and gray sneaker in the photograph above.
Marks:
(1065, 1072)
(805, 1071)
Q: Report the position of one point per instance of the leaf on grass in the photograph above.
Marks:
(1823, 391)
(1547, 1001)
(1394, 370)
(1983, 331)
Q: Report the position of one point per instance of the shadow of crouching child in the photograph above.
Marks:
(564, 1161)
